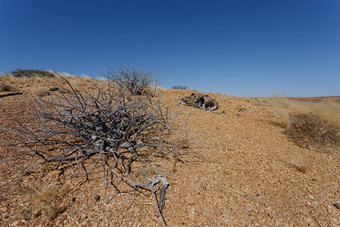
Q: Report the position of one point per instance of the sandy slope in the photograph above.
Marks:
(251, 175)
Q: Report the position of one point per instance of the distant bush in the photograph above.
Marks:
(31, 73)
(180, 87)
(135, 81)
(310, 131)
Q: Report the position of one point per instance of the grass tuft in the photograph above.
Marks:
(42, 201)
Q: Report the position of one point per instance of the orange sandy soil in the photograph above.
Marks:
(251, 175)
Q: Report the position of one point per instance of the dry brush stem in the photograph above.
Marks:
(132, 80)
(104, 130)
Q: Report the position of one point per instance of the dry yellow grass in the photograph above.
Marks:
(44, 202)
(326, 110)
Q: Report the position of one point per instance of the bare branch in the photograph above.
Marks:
(109, 129)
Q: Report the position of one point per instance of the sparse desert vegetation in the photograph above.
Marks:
(7, 88)
(259, 163)
(309, 130)
(31, 73)
(104, 129)
(310, 124)
(41, 83)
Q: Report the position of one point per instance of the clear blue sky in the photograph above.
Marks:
(236, 47)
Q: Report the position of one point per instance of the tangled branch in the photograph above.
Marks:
(109, 128)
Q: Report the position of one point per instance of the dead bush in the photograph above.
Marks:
(310, 131)
(107, 130)
(135, 81)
